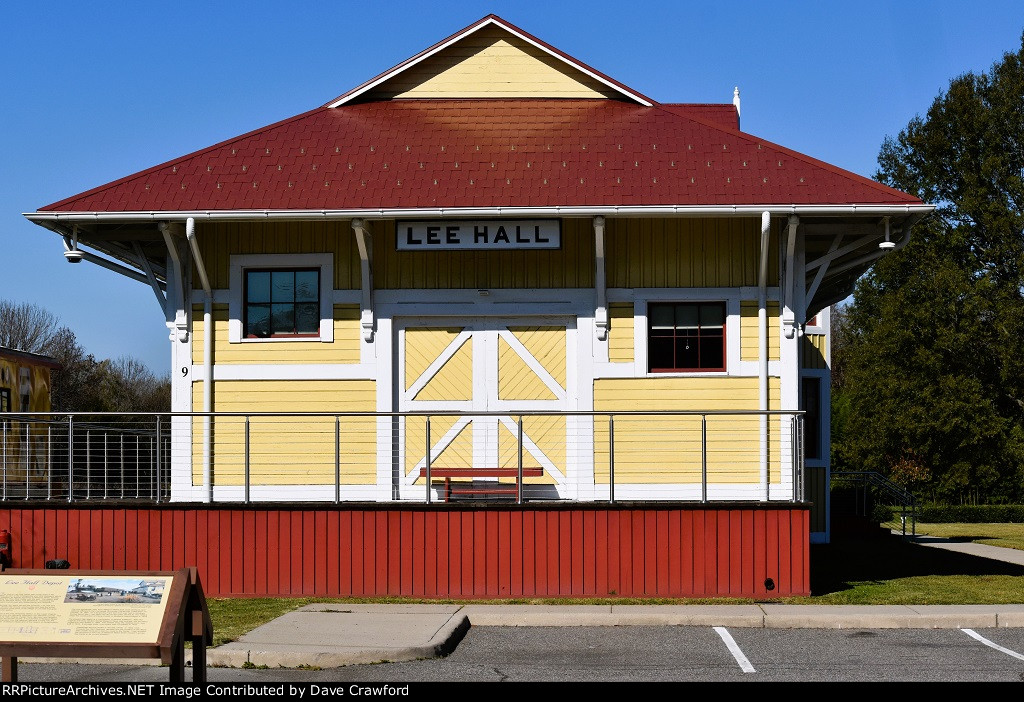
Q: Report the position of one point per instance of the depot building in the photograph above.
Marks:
(491, 229)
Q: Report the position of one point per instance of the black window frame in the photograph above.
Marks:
(708, 333)
(247, 332)
(5, 400)
(810, 400)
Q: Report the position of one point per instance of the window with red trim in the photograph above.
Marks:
(685, 336)
(281, 303)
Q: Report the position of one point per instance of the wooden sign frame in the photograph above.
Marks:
(185, 618)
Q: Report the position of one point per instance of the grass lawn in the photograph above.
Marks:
(868, 572)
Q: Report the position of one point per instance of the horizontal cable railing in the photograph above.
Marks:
(422, 457)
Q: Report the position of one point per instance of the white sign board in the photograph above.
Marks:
(485, 235)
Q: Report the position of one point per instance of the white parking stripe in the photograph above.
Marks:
(975, 635)
(735, 650)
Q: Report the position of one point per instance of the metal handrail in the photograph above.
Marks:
(95, 468)
(902, 497)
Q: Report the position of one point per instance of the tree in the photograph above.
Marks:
(82, 383)
(932, 383)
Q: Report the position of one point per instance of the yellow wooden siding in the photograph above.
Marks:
(814, 351)
(516, 380)
(457, 454)
(651, 449)
(749, 331)
(491, 63)
(344, 348)
(548, 433)
(218, 241)
(572, 266)
(816, 492)
(423, 345)
(685, 253)
(454, 381)
(620, 332)
(288, 450)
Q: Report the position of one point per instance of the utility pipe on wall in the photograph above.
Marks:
(190, 234)
(762, 345)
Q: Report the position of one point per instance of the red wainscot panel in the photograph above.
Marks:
(466, 552)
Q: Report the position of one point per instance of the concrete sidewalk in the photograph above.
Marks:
(330, 635)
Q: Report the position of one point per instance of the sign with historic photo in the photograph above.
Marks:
(82, 608)
(479, 234)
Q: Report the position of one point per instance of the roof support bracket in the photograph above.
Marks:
(820, 275)
(160, 297)
(789, 291)
(364, 242)
(601, 303)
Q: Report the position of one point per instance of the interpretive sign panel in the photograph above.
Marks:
(128, 614)
(80, 608)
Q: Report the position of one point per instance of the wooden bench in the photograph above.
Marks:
(495, 489)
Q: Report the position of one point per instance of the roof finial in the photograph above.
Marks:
(736, 99)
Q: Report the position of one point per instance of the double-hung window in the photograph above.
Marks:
(281, 303)
(685, 336)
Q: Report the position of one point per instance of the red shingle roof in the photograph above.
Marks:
(487, 153)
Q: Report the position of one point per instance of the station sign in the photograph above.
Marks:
(494, 234)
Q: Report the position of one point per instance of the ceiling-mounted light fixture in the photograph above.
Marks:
(887, 245)
(73, 255)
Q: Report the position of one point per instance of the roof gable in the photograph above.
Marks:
(491, 59)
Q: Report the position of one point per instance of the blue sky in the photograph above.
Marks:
(96, 91)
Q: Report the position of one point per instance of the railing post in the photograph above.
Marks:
(106, 480)
(88, 464)
(427, 459)
(156, 458)
(337, 460)
(71, 458)
(247, 459)
(611, 459)
(519, 465)
(138, 467)
(5, 461)
(28, 456)
(122, 464)
(703, 458)
(49, 461)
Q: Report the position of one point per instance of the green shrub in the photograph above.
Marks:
(971, 514)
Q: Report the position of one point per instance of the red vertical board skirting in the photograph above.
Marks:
(466, 565)
(736, 546)
(418, 538)
(491, 554)
(63, 539)
(771, 569)
(554, 538)
(472, 553)
(712, 519)
(515, 553)
(651, 538)
(357, 557)
(601, 548)
(503, 536)
(748, 550)
(380, 556)
(455, 551)
(540, 553)
(588, 556)
(638, 551)
(400, 551)
(436, 554)
(785, 584)
(576, 553)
